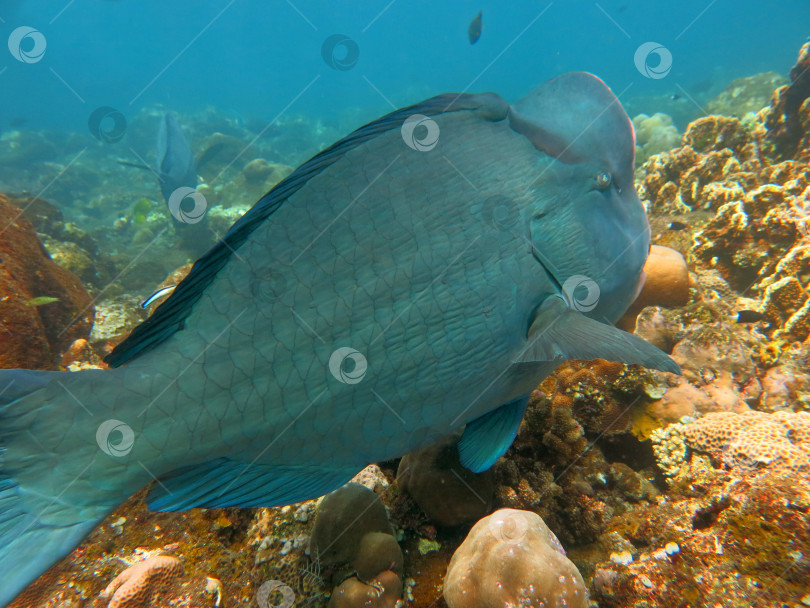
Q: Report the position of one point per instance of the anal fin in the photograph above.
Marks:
(228, 483)
(487, 438)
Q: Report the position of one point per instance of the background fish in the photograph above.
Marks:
(395, 287)
(177, 166)
(476, 25)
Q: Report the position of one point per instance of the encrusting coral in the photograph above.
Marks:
(753, 439)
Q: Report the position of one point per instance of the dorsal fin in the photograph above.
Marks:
(170, 316)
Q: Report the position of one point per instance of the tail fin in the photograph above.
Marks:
(37, 526)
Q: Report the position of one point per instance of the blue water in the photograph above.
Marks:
(257, 60)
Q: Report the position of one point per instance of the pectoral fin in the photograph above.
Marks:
(487, 438)
(559, 332)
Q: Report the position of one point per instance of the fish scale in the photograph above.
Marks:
(397, 253)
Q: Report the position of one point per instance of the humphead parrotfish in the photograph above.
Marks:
(421, 275)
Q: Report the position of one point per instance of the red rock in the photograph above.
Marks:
(33, 336)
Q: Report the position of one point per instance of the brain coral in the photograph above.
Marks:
(511, 558)
(753, 439)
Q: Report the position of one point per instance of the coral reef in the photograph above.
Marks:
(448, 493)
(757, 236)
(747, 95)
(746, 547)
(45, 307)
(655, 509)
(788, 118)
(565, 478)
(654, 134)
(511, 558)
(140, 585)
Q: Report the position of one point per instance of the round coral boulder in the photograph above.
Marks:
(351, 527)
(448, 493)
(511, 558)
(666, 283)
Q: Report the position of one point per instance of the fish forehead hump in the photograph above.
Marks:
(576, 118)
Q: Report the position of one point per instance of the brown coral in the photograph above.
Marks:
(381, 592)
(140, 585)
(447, 492)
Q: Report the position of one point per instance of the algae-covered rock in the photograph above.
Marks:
(45, 308)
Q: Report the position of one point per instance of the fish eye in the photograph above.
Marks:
(603, 180)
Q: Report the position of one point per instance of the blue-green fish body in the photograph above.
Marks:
(423, 274)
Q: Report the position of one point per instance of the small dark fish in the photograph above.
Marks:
(176, 162)
(676, 226)
(749, 316)
(675, 96)
(476, 25)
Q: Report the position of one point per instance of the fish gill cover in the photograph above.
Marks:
(561, 353)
